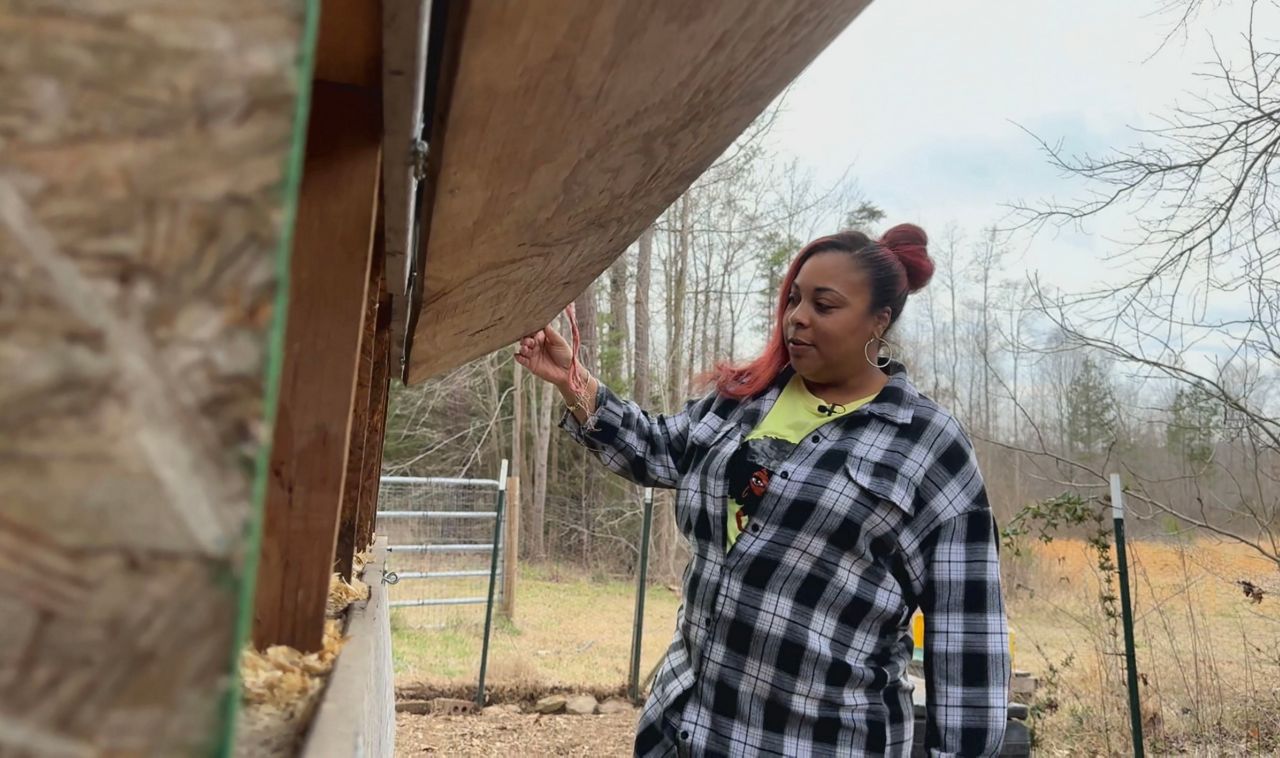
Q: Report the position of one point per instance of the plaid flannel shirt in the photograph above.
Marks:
(796, 641)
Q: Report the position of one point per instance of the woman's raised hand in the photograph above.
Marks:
(546, 355)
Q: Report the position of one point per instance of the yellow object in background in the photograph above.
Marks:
(917, 636)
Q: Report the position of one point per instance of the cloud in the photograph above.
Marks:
(924, 99)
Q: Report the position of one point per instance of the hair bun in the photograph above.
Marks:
(910, 244)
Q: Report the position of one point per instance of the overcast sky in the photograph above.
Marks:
(924, 98)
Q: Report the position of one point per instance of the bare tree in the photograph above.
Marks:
(640, 363)
(619, 331)
(1200, 190)
(545, 395)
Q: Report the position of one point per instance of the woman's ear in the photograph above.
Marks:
(883, 319)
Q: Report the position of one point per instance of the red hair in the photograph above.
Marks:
(896, 265)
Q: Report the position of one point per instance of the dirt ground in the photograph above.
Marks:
(498, 733)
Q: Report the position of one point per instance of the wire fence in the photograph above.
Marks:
(441, 535)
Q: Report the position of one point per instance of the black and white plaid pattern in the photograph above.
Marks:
(796, 641)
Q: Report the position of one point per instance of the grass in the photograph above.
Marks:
(1209, 659)
(568, 631)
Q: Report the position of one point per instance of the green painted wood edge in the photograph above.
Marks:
(246, 581)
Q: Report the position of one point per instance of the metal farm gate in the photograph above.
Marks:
(445, 541)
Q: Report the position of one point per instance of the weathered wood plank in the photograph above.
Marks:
(511, 546)
(143, 151)
(565, 128)
(357, 449)
(357, 715)
(375, 432)
(405, 28)
(333, 240)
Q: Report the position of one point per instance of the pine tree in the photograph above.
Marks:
(1190, 433)
(1091, 410)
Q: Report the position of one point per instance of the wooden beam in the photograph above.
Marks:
(375, 432)
(567, 127)
(349, 48)
(141, 227)
(346, 548)
(405, 29)
(357, 716)
(333, 241)
(511, 548)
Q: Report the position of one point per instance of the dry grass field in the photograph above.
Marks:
(1208, 656)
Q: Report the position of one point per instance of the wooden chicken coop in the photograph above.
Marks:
(226, 227)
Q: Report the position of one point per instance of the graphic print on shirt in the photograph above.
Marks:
(750, 469)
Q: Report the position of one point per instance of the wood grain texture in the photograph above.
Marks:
(143, 150)
(404, 59)
(329, 271)
(569, 126)
(375, 432)
(357, 716)
(349, 48)
(511, 548)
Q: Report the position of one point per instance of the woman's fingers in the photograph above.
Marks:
(541, 352)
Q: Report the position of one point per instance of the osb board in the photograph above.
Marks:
(565, 128)
(143, 154)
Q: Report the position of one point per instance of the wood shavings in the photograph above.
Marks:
(360, 560)
(343, 594)
(282, 686)
(280, 689)
(283, 677)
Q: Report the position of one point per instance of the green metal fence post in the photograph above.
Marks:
(493, 579)
(1126, 614)
(637, 627)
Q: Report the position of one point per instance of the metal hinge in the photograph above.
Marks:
(418, 159)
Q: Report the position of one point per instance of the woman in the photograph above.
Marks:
(824, 499)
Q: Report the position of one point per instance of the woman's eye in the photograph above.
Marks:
(792, 299)
(821, 307)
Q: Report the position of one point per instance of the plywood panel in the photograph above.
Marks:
(569, 126)
(143, 152)
(328, 278)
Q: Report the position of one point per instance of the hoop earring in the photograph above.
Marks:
(866, 352)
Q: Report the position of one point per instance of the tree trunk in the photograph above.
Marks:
(619, 333)
(677, 347)
(665, 542)
(640, 361)
(989, 261)
(588, 329)
(517, 442)
(542, 444)
(952, 274)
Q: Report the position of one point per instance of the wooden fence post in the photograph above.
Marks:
(511, 561)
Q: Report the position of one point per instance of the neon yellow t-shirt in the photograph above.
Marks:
(793, 417)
